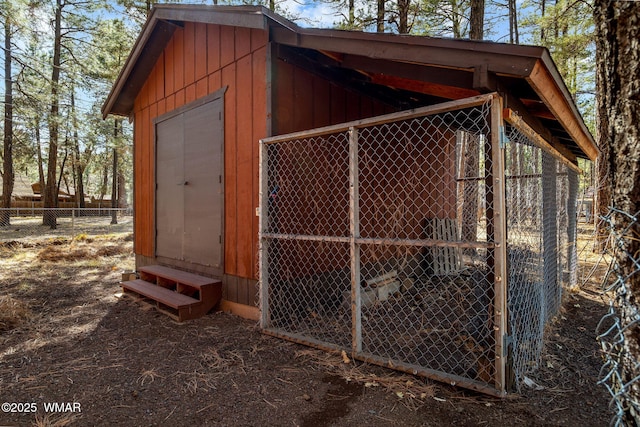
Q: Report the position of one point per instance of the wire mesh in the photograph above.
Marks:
(399, 208)
(24, 223)
(421, 180)
(541, 198)
(308, 182)
(379, 238)
(618, 329)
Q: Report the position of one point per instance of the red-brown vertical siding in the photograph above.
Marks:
(231, 171)
(259, 129)
(302, 101)
(198, 60)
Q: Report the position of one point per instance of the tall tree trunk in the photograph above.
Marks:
(105, 179)
(114, 175)
(514, 38)
(78, 166)
(122, 189)
(379, 16)
(403, 16)
(41, 179)
(61, 176)
(618, 73)
(352, 14)
(456, 15)
(470, 169)
(476, 32)
(7, 163)
(51, 191)
(602, 201)
(543, 36)
(114, 188)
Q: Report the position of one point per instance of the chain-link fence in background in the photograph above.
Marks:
(619, 328)
(24, 223)
(385, 239)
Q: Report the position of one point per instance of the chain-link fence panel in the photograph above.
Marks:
(384, 238)
(307, 218)
(27, 223)
(541, 230)
(526, 298)
(377, 239)
(427, 304)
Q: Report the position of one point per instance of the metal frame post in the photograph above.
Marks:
(551, 287)
(500, 243)
(263, 264)
(354, 231)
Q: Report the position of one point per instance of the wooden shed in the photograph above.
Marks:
(204, 84)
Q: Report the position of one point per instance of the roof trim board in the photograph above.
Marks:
(565, 111)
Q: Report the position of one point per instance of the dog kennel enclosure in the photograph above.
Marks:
(435, 241)
(414, 220)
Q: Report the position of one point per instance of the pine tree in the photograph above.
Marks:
(7, 160)
(618, 72)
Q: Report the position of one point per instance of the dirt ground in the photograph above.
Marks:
(68, 336)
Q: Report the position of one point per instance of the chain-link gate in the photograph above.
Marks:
(384, 238)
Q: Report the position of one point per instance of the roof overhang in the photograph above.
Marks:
(411, 70)
(156, 33)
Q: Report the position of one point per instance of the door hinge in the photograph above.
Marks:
(220, 239)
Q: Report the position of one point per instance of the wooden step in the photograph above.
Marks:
(180, 294)
(158, 293)
(178, 276)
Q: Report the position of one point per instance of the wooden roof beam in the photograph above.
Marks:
(428, 88)
(347, 78)
(440, 52)
(436, 75)
(522, 111)
(483, 80)
(538, 109)
(487, 82)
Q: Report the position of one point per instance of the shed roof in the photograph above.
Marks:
(409, 71)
